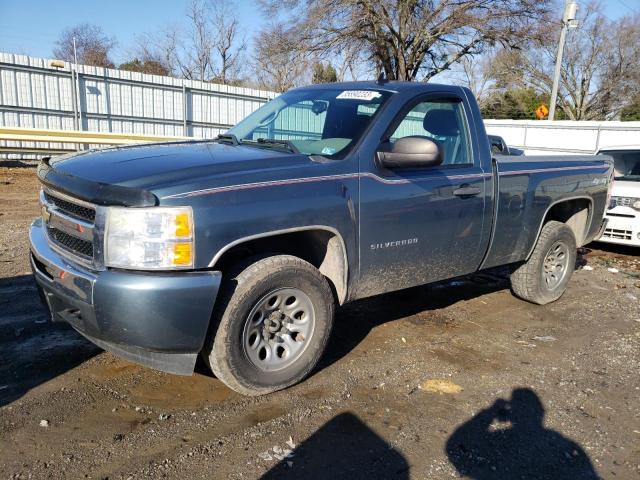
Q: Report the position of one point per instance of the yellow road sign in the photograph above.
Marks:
(542, 111)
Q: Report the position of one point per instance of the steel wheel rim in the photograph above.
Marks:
(278, 329)
(555, 265)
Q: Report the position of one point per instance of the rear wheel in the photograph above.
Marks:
(544, 277)
(273, 322)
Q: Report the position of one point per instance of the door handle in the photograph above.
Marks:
(466, 190)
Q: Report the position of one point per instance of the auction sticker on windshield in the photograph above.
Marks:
(358, 95)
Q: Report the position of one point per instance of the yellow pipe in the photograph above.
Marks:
(74, 136)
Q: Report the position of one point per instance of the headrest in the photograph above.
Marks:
(441, 122)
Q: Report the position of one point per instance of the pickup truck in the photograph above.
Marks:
(500, 147)
(240, 248)
(623, 212)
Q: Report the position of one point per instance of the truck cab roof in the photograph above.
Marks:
(389, 86)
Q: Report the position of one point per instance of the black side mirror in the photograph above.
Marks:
(412, 152)
(319, 106)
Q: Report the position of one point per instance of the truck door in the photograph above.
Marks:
(419, 225)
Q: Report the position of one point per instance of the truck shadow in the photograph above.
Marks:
(344, 447)
(612, 248)
(355, 320)
(19, 164)
(32, 349)
(509, 440)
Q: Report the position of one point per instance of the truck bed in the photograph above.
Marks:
(518, 220)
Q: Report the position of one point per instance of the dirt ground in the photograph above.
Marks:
(458, 379)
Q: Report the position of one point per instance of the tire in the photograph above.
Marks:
(275, 357)
(534, 280)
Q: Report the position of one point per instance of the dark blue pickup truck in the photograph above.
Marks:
(239, 248)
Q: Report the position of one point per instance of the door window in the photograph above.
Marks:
(443, 122)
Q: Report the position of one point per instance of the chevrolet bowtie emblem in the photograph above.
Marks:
(45, 214)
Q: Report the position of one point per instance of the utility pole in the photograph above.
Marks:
(76, 87)
(568, 21)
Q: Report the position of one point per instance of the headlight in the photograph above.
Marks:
(636, 205)
(155, 238)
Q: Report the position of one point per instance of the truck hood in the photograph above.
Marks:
(155, 166)
(622, 188)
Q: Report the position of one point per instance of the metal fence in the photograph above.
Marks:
(36, 94)
(564, 137)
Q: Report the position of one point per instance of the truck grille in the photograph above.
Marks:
(71, 243)
(70, 224)
(618, 234)
(78, 211)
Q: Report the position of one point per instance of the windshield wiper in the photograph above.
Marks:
(270, 142)
(228, 138)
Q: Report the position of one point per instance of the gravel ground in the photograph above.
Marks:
(458, 379)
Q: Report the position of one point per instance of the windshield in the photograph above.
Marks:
(626, 164)
(315, 121)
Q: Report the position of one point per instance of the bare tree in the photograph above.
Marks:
(351, 62)
(227, 44)
(600, 71)
(409, 39)
(150, 55)
(278, 62)
(475, 74)
(93, 46)
(209, 48)
(196, 61)
(622, 75)
(161, 47)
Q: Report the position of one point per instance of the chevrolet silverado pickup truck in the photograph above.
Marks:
(240, 248)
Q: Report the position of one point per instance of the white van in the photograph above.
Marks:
(623, 214)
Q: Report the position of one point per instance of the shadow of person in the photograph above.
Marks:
(508, 440)
(343, 448)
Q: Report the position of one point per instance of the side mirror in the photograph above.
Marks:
(412, 152)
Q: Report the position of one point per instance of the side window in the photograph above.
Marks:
(443, 122)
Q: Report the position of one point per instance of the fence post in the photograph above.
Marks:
(107, 96)
(74, 98)
(184, 110)
(79, 94)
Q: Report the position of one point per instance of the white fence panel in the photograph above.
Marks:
(564, 137)
(33, 93)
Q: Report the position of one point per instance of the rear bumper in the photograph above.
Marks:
(156, 319)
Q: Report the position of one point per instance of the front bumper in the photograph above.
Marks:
(622, 228)
(159, 320)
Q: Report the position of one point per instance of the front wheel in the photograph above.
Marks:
(544, 277)
(273, 323)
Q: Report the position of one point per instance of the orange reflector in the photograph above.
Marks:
(182, 254)
(183, 226)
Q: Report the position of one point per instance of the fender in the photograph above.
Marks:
(273, 233)
(551, 205)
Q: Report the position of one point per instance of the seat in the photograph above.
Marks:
(441, 122)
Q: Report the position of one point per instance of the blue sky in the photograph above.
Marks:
(32, 26)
